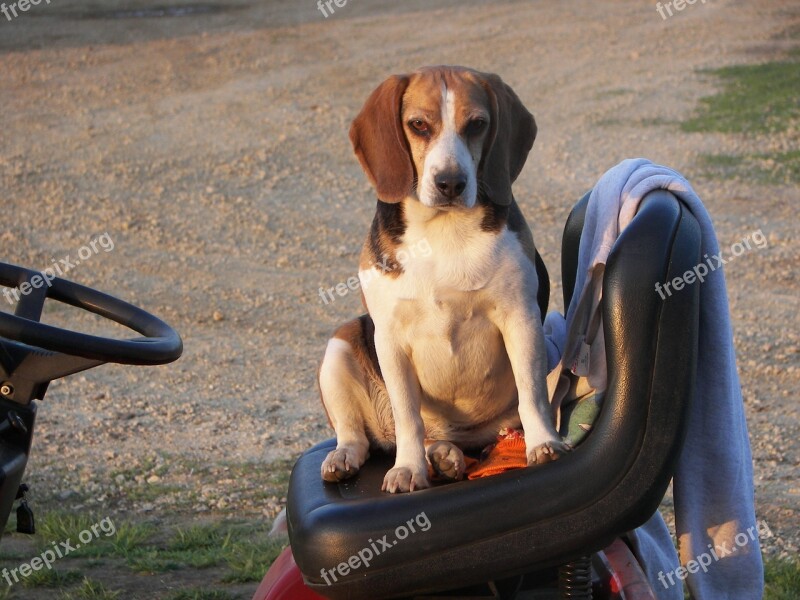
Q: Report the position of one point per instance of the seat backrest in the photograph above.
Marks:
(651, 370)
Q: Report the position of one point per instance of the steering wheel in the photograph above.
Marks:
(160, 344)
(33, 354)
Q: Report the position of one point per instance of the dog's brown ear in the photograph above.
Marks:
(380, 144)
(511, 135)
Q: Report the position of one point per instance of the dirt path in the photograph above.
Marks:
(211, 147)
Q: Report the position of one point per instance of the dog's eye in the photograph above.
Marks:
(475, 126)
(418, 125)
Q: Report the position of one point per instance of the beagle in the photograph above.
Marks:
(451, 349)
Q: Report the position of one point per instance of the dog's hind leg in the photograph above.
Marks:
(344, 386)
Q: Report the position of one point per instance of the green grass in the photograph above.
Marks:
(200, 537)
(244, 550)
(782, 578)
(769, 167)
(152, 560)
(51, 578)
(150, 492)
(233, 553)
(245, 557)
(247, 552)
(196, 547)
(758, 101)
(760, 98)
(112, 540)
(90, 590)
(131, 536)
(57, 527)
(248, 562)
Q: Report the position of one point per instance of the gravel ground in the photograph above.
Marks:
(210, 145)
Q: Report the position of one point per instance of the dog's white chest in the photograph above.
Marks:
(457, 353)
(443, 312)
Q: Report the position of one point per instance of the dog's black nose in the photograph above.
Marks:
(451, 185)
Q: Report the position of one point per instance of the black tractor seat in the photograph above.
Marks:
(534, 518)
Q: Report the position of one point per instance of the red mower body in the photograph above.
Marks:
(284, 581)
(621, 578)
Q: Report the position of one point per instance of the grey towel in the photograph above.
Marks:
(720, 555)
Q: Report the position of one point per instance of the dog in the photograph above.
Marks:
(451, 349)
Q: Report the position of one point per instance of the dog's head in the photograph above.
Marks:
(443, 135)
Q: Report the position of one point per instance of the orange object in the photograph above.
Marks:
(508, 453)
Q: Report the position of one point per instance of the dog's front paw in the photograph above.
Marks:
(547, 452)
(447, 460)
(405, 479)
(341, 463)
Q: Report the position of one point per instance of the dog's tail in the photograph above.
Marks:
(280, 527)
